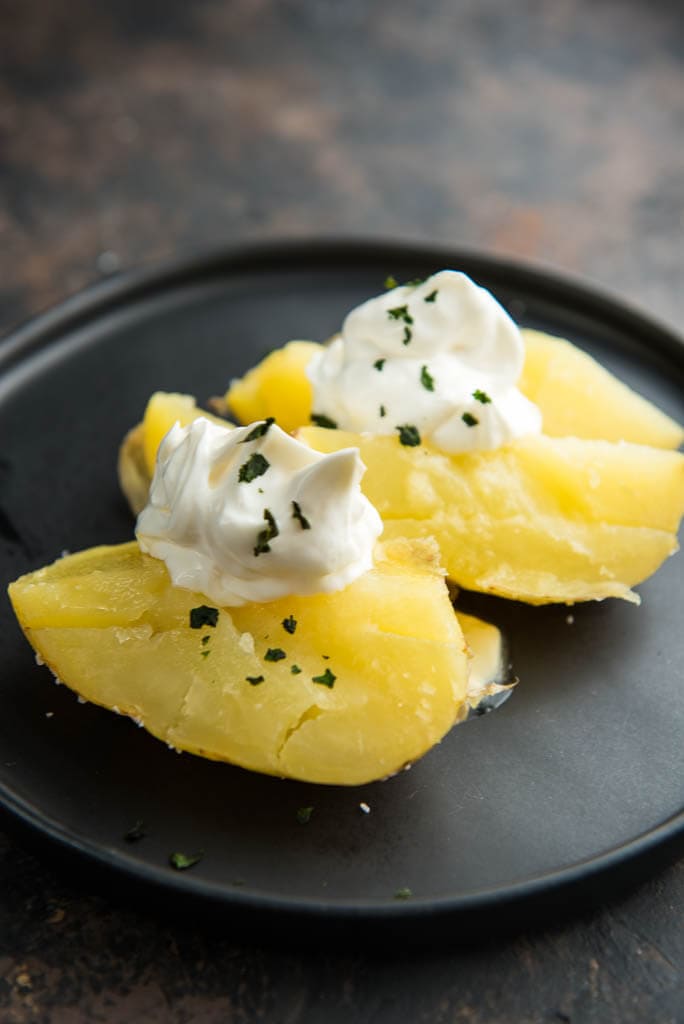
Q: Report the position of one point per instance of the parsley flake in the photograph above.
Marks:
(205, 640)
(205, 653)
(264, 536)
(275, 654)
(136, 833)
(290, 624)
(391, 282)
(408, 435)
(383, 410)
(403, 894)
(183, 861)
(481, 396)
(326, 679)
(426, 379)
(299, 516)
(321, 420)
(295, 670)
(431, 297)
(254, 680)
(256, 465)
(469, 419)
(260, 430)
(304, 815)
(203, 615)
(408, 334)
(414, 282)
(379, 363)
(400, 313)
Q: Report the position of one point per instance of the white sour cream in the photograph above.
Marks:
(443, 357)
(245, 520)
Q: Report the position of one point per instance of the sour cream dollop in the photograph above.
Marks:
(442, 356)
(249, 514)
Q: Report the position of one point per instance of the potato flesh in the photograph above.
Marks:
(110, 625)
(576, 395)
(541, 520)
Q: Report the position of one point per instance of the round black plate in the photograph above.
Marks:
(576, 776)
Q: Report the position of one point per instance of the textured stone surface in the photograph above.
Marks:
(135, 131)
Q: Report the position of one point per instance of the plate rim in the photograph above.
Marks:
(104, 296)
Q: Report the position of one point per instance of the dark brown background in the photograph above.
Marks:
(133, 131)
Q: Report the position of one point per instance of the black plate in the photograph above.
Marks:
(576, 777)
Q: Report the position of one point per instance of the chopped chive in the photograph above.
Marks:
(295, 670)
(383, 410)
(408, 435)
(431, 297)
(426, 379)
(275, 654)
(264, 536)
(321, 420)
(260, 430)
(299, 516)
(183, 861)
(290, 624)
(469, 419)
(379, 363)
(481, 396)
(326, 679)
(254, 680)
(304, 815)
(203, 615)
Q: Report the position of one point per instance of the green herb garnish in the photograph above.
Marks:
(254, 680)
(408, 435)
(205, 640)
(260, 430)
(300, 517)
(321, 420)
(264, 536)
(426, 379)
(400, 313)
(304, 815)
(275, 654)
(383, 410)
(414, 282)
(183, 861)
(408, 334)
(481, 396)
(379, 363)
(403, 894)
(203, 615)
(290, 624)
(391, 282)
(205, 654)
(327, 679)
(469, 419)
(431, 297)
(295, 670)
(136, 832)
(256, 465)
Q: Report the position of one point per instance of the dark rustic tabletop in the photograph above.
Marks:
(134, 131)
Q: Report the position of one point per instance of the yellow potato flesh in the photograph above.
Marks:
(541, 520)
(577, 396)
(110, 625)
